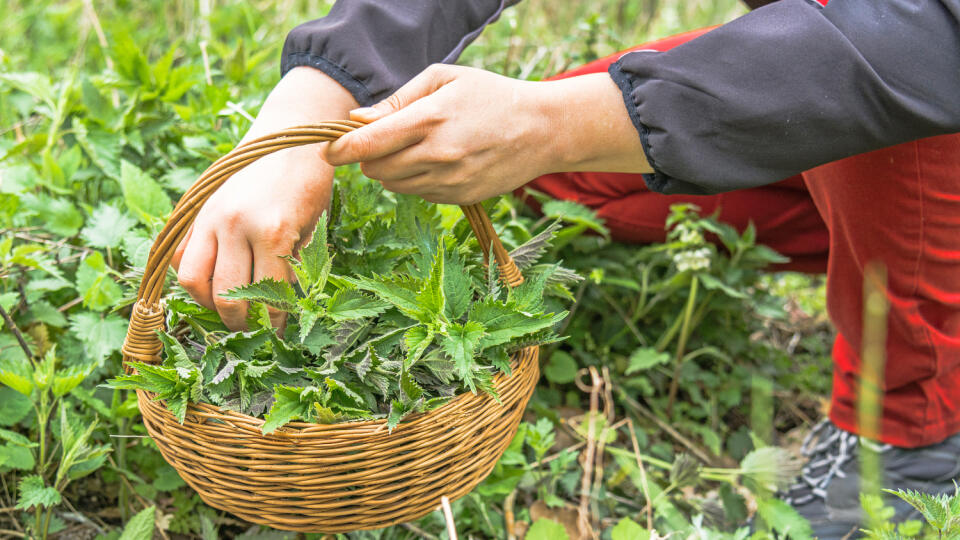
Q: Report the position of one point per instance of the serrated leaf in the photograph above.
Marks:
(411, 390)
(503, 323)
(176, 355)
(645, 358)
(65, 380)
(628, 529)
(547, 529)
(430, 297)
(314, 262)
(274, 293)
(462, 343)
(401, 292)
(14, 406)
(561, 368)
(528, 253)
(143, 196)
(784, 519)
(346, 304)
(59, 216)
(101, 335)
(308, 315)
(33, 492)
(96, 285)
(107, 227)
(14, 372)
(16, 438)
(287, 406)
(140, 526)
(573, 212)
(457, 286)
(14, 456)
(416, 340)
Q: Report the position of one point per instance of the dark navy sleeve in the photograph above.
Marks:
(793, 85)
(373, 47)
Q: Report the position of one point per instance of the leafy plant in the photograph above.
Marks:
(382, 340)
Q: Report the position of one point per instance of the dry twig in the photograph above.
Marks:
(448, 517)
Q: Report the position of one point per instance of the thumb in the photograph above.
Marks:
(424, 84)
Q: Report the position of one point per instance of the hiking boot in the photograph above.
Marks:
(827, 492)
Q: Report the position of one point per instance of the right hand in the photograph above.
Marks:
(267, 210)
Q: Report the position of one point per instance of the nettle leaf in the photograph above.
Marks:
(59, 216)
(309, 314)
(140, 526)
(314, 264)
(400, 410)
(430, 297)
(107, 227)
(528, 296)
(346, 304)
(462, 344)
(99, 290)
(274, 293)
(290, 403)
(457, 286)
(528, 253)
(411, 390)
(645, 358)
(14, 371)
(101, 335)
(416, 340)
(504, 323)
(401, 292)
(34, 492)
(176, 355)
(143, 196)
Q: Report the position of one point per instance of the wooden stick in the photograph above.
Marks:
(448, 516)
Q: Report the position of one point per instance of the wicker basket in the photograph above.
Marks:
(314, 477)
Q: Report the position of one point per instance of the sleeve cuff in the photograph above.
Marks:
(657, 181)
(356, 88)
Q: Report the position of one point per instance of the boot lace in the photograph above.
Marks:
(827, 449)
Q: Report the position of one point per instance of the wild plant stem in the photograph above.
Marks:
(16, 332)
(682, 343)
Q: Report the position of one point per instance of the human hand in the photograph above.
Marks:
(268, 209)
(461, 135)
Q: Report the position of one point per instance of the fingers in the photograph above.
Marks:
(195, 266)
(233, 263)
(178, 254)
(373, 141)
(399, 121)
(424, 84)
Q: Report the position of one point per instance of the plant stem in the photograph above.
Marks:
(682, 343)
(16, 332)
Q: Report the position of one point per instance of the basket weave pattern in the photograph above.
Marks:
(315, 477)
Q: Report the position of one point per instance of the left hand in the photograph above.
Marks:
(460, 135)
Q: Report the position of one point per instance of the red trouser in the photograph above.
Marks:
(899, 206)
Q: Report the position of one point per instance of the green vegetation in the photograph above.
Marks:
(683, 363)
(397, 316)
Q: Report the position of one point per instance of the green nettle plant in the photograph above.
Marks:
(45, 384)
(404, 317)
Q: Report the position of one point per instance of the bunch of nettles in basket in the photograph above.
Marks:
(392, 313)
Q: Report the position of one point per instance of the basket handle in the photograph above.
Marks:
(141, 343)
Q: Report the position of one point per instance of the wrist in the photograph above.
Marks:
(303, 96)
(591, 129)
